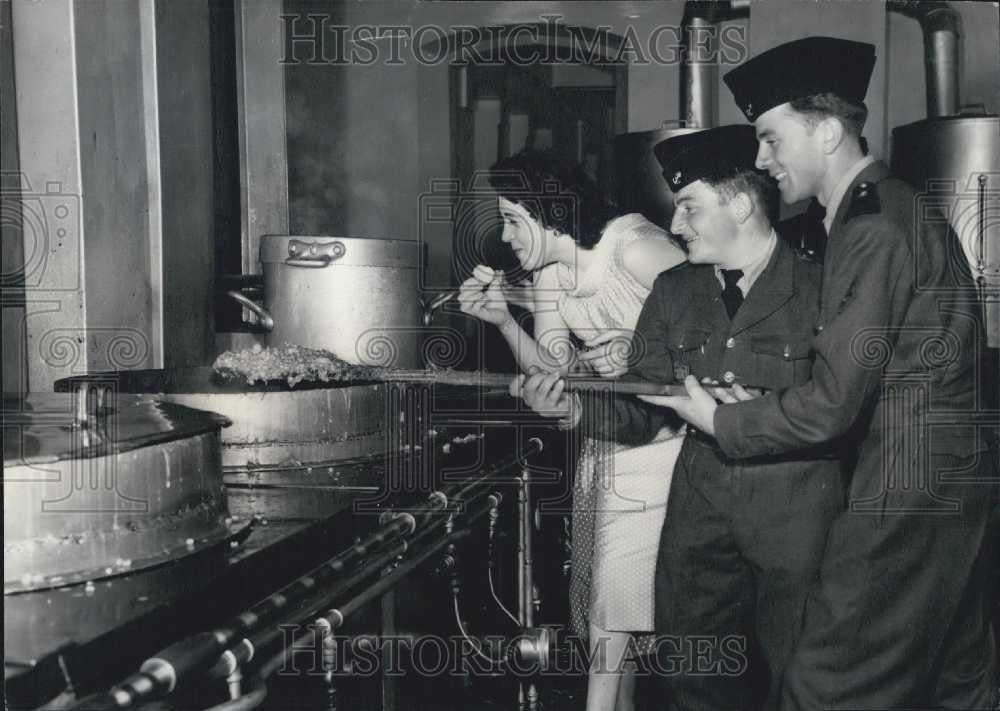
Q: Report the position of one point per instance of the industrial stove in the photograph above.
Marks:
(289, 547)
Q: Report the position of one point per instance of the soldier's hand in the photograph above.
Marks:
(697, 408)
(728, 396)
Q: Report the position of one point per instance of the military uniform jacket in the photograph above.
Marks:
(897, 619)
(898, 343)
(684, 329)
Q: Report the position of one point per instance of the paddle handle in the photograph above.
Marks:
(475, 378)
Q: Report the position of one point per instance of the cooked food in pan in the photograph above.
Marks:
(292, 363)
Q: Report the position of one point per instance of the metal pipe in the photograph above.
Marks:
(243, 650)
(700, 62)
(941, 65)
(699, 71)
(250, 700)
(941, 25)
(161, 673)
(474, 489)
(337, 616)
(436, 303)
(527, 696)
(980, 267)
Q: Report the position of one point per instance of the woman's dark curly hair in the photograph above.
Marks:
(556, 192)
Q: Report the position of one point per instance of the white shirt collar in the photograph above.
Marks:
(838, 192)
(754, 269)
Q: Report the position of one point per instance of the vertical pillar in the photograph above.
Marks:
(117, 232)
(49, 153)
(260, 87)
(186, 197)
(14, 360)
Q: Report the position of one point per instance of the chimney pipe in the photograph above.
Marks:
(700, 62)
(941, 25)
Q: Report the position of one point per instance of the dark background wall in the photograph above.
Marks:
(366, 143)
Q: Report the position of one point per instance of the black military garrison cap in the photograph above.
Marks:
(813, 65)
(712, 154)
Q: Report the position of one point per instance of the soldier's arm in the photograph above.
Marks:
(872, 282)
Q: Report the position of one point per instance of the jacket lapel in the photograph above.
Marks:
(773, 288)
(706, 307)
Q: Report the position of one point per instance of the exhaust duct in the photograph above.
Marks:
(941, 25)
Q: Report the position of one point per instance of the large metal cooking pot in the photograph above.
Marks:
(94, 489)
(355, 297)
(273, 425)
(640, 176)
(954, 163)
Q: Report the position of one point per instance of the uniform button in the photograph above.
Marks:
(730, 343)
(729, 376)
(819, 329)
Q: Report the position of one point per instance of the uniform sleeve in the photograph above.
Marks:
(625, 418)
(871, 284)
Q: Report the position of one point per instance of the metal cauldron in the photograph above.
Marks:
(273, 425)
(954, 164)
(355, 297)
(96, 486)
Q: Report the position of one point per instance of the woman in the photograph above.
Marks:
(592, 270)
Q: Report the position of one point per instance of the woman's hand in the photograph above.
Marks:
(543, 393)
(608, 353)
(481, 295)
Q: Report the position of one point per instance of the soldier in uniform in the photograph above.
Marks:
(741, 541)
(900, 617)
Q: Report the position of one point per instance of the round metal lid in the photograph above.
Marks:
(47, 427)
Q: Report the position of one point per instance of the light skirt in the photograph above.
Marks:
(630, 502)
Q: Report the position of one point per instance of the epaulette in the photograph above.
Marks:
(864, 201)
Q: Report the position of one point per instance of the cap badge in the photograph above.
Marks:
(677, 178)
(749, 110)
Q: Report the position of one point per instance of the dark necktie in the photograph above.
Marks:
(732, 297)
(814, 231)
(815, 213)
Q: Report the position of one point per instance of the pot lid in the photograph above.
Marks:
(47, 427)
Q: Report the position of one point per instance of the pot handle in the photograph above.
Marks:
(434, 304)
(314, 255)
(266, 320)
(318, 263)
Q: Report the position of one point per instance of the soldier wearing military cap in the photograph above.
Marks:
(733, 569)
(899, 617)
